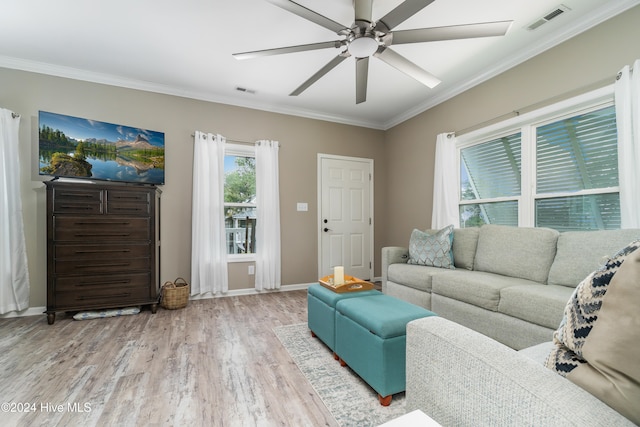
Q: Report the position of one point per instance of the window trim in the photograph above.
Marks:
(526, 125)
(239, 150)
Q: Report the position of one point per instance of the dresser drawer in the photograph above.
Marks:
(105, 265)
(109, 251)
(127, 202)
(108, 297)
(98, 283)
(77, 200)
(101, 229)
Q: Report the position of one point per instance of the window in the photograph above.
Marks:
(557, 168)
(490, 182)
(240, 199)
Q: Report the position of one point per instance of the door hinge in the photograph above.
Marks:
(369, 221)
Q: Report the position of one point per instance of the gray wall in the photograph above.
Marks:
(403, 155)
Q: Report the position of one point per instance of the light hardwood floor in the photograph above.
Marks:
(215, 363)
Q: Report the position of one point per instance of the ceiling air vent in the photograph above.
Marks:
(245, 90)
(548, 17)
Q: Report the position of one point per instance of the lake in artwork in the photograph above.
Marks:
(90, 149)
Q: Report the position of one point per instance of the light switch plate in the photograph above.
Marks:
(302, 207)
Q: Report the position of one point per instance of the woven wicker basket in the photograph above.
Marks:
(175, 294)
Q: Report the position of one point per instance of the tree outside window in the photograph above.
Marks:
(240, 203)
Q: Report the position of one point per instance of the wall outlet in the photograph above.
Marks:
(252, 270)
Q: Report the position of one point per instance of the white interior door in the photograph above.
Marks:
(345, 214)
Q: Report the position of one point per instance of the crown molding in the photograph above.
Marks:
(118, 81)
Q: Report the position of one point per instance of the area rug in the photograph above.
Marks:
(349, 399)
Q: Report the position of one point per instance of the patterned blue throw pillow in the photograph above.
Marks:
(432, 250)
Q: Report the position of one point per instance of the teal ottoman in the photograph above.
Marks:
(321, 311)
(371, 339)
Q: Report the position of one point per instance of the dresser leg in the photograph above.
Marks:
(51, 317)
(154, 308)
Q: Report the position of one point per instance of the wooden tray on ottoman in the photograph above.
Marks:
(351, 284)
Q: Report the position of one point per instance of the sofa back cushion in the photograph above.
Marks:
(465, 241)
(581, 252)
(521, 252)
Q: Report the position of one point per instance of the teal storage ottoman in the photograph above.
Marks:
(371, 339)
(321, 311)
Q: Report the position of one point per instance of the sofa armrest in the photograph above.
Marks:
(462, 378)
(392, 255)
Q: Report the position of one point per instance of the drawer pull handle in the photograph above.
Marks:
(104, 282)
(103, 251)
(101, 223)
(76, 195)
(89, 297)
(115, 264)
(86, 208)
(102, 234)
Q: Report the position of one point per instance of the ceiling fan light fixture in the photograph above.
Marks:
(363, 47)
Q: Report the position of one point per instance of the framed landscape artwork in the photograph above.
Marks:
(75, 147)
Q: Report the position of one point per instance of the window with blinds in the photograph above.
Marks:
(490, 179)
(577, 172)
(562, 174)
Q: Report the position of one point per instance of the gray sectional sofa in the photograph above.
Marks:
(462, 378)
(509, 283)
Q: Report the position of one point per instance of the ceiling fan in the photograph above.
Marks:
(366, 38)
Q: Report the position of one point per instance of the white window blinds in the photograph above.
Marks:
(561, 173)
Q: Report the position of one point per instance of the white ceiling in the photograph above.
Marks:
(184, 48)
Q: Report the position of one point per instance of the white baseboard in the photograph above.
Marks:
(252, 291)
(31, 311)
(37, 311)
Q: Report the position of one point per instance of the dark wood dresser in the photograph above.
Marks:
(103, 246)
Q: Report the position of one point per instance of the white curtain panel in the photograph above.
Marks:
(208, 236)
(268, 256)
(627, 100)
(14, 273)
(445, 183)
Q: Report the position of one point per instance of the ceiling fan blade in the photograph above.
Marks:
(363, 10)
(288, 49)
(403, 12)
(309, 15)
(324, 70)
(362, 74)
(454, 32)
(401, 63)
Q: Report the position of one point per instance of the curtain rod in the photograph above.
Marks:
(531, 107)
(236, 141)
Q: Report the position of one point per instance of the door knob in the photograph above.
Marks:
(326, 229)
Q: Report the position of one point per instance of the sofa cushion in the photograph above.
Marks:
(465, 241)
(414, 276)
(580, 252)
(432, 249)
(596, 345)
(526, 253)
(535, 303)
(474, 287)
